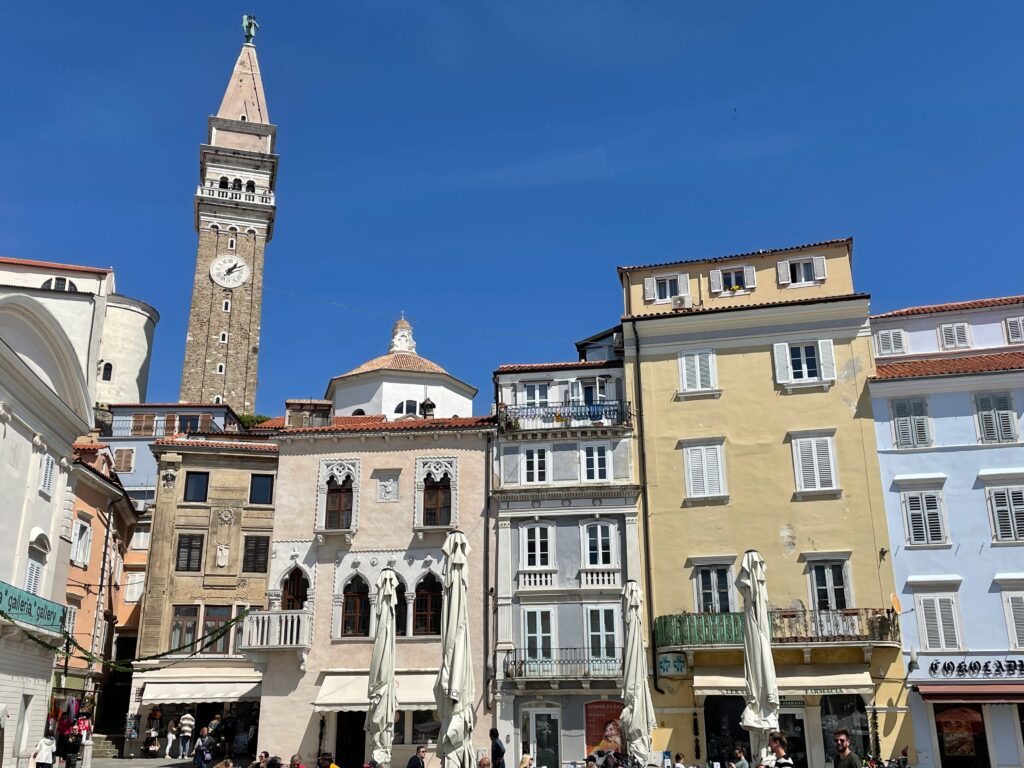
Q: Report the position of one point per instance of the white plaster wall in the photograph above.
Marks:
(360, 393)
(448, 402)
(987, 328)
(127, 342)
(27, 670)
(34, 277)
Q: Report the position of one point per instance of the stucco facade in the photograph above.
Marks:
(756, 433)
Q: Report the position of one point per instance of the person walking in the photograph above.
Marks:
(45, 751)
(679, 761)
(186, 724)
(846, 757)
(71, 747)
(778, 757)
(419, 760)
(172, 734)
(497, 750)
(203, 750)
(739, 759)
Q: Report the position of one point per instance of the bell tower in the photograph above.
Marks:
(234, 218)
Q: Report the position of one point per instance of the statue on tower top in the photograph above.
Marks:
(249, 26)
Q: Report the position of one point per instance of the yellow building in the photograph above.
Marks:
(756, 432)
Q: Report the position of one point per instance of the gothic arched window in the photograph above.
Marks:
(108, 371)
(294, 591)
(400, 611)
(339, 505)
(355, 609)
(426, 618)
(437, 500)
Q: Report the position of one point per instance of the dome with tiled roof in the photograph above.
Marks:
(401, 355)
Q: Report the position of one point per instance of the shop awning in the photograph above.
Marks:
(809, 680)
(1002, 693)
(183, 692)
(347, 692)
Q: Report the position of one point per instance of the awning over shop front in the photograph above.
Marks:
(1001, 693)
(809, 680)
(347, 692)
(184, 692)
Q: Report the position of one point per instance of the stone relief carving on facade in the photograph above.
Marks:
(387, 488)
(168, 477)
(226, 516)
(223, 551)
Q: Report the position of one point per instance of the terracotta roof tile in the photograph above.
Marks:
(55, 265)
(950, 366)
(84, 445)
(234, 445)
(404, 425)
(524, 367)
(956, 306)
(397, 361)
(339, 421)
(769, 251)
(740, 307)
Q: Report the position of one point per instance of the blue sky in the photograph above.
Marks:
(486, 165)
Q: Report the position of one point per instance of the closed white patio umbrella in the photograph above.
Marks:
(637, 719)
(380, 716)
(455, 689)
(761, 715)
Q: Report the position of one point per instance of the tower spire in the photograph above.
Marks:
(244, 98)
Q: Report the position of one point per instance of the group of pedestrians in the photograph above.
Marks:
(65, 744)
(778, 756)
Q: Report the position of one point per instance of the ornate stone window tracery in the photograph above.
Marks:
(437, 493)
(337, 497)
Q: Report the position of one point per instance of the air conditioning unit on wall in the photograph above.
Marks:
(682, 302)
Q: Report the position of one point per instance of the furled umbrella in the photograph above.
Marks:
(761, 715)
(380, 716)
(637, 719)
(455, 689)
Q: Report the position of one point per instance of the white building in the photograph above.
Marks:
(112, 335)
(45, 403)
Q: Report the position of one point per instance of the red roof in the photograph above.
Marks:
(83, 445)
(233, 445)
(55, 265)
(421, 425)
(951, 366)
(956, 306)
(524, 367)
(762, 252)
(339, 421)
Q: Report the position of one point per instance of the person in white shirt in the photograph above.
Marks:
(186, 724)
(43, 753)
(679, 761)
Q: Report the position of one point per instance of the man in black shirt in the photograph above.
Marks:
(419, 759)
(846, 757)
(497, 750)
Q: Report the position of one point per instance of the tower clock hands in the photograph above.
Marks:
(232, 268)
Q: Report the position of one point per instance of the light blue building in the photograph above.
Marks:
(947, 397)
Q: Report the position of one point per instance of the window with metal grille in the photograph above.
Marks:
(190, 552)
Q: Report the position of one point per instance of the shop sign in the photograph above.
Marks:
(672, 664)
(31, 609)
(998, 669)
(603, 731)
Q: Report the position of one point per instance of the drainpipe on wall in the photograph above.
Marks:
(489, 663)
(639, 394)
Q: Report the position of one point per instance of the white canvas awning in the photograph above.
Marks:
(347, 692)
(183, 692)
(809, 680)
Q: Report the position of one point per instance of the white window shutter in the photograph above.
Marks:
(696, 478)
(1015, 330)
(827, 357)
(818, 263)
(1017, 511)
(683, 279)
(960, 331)
(919, 417)
(898, 342)
(987, 419)
(749, 277)
(934, 533)
(884, 342)
(713, 469)
(783, 270)
(1016, 606)
(932, 631)
(33, 577)
(1002, 515)
(823, 458)
(947, 616)
(87, 548)
(704, 370)
(803, 458)
(948, 336)
(689, 370)
(917, 528)
(650, 289)
(783, 370)
(716, 281)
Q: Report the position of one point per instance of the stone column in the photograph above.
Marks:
(373, 614)
(812, 732)
(410, 601)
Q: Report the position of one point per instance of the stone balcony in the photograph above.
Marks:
(263, 197)
(269, 631)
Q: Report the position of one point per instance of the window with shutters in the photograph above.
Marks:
(81, 543)
(938, 616)
(910, 423)
(256, 554)
(600, 548)
(705, 471)
(184, 628)
(596, 461)
(535, 465)
(261, 489)
(124, 460)
(196, 486)
(143, 424)
(890, 342)
(667, 288)
(1015, 330)
(1007, 510)
(190, 552)
(697, 371)
(997, 421)
(924, 517)
(801, 271)
(47, 471)
(805, 363)
(731, 281)
(829, 585)
(70, 618)
(140, 536)
(1014, 603)
(713, 585)
(134, 585)
(34, 570)
(814, 463)
(954, 336)
(538, 546)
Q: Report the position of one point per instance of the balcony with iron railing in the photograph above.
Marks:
(848, 626)
(277, 631)
(562, 663)
(161, 425)
(607, 413)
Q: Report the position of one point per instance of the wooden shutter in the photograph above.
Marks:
(1015, 330)
(783, 370)
(1004, 416)
(142, 424)
(689, 366)
(960, 332)
(924, 518)
(170, 423)
(683, 282)
(713, 469)
(919, 419)
(716, 281)
(124, 458)
(987, 419)
(696, 473)
(1007, 513)
(782, 268)
(257, 550)
(46, 468)
(939, 620)
(133, 587)
(949, 335)
(947, 617)
(510, 466)
(205, 422)
(650, 289)
(1015, 604)
(898, 342)
(803, 455)
(704, 370)
(749, 277)
(826, 360)
(902, 424)
(33, 576)
(818, 263)
(884, 342)
(823, 460)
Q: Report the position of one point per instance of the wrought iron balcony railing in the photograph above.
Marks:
(562, 663)
(161, 426)
(277, 630)
(862, 626)
(609, 413)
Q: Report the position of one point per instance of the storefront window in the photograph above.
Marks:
(961, 734)
(845, 711)
(722, 727)
(426, 725)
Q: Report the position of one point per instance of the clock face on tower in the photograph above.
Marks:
(229, 271)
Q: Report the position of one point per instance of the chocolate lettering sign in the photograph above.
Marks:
(993, 669)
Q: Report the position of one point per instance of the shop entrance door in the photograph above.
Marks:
(350, 738)
(960, 729)
(544, 737)
(791, 723)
